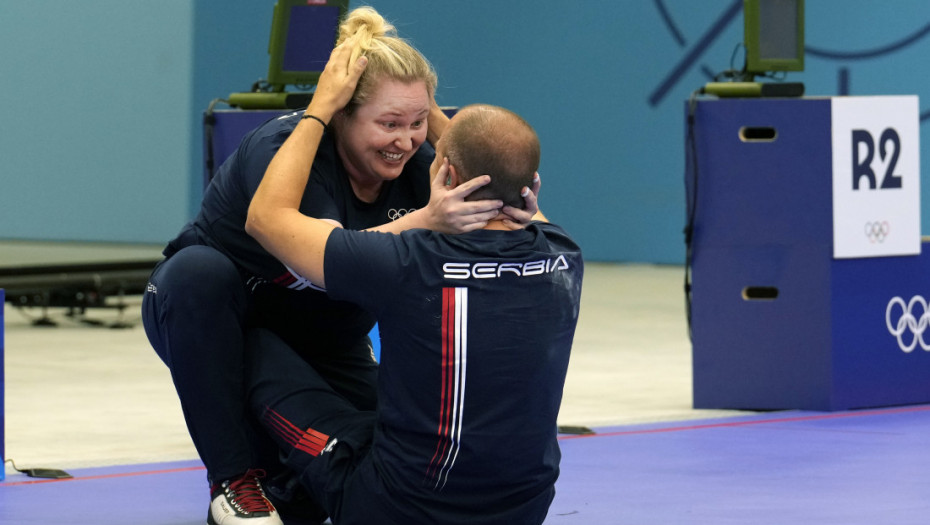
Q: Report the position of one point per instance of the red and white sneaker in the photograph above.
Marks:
(241, 501)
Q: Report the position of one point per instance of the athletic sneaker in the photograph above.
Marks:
(241, 501)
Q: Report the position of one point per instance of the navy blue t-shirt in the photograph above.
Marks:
(476, 331)
(282, 300)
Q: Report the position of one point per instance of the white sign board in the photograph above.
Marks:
(876, 176)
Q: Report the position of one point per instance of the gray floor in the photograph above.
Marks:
(80, 395)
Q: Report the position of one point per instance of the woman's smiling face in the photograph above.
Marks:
(381, 135)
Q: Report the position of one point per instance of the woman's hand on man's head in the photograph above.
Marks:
(337, 81)
(519, 218)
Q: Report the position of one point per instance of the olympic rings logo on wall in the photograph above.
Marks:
(877, 231)
(909, 322)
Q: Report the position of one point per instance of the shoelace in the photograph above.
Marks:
(247, 494)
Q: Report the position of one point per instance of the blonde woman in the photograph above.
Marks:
(371, 171)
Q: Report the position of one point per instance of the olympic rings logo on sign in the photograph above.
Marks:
(908, 322)
(877, 231)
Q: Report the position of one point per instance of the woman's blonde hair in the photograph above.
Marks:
(389, 56)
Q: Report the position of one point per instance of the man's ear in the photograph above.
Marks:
(452, 179)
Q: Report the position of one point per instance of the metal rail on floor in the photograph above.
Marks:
(76, 287)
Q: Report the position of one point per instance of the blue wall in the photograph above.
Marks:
(103, 99)
(95, 134)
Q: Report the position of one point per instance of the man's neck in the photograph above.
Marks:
(496, 224)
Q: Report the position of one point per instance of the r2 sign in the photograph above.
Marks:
(889, 150)
(876, 175)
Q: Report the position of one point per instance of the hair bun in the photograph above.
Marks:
(367, 23)
(389, 56)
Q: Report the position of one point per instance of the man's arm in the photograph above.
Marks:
(274, 218)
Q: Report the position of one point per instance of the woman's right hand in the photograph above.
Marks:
(337, 81)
